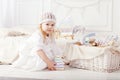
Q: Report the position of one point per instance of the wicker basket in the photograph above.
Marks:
(107, 62)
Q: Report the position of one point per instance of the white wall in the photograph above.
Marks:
(29, 11)
(116, 16)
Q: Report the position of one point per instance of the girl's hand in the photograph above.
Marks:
(51, 65)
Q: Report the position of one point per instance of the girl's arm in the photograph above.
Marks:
(49, 63)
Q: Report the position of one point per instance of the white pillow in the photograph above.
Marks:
(20, 29)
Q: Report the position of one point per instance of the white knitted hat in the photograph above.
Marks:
(47, 17)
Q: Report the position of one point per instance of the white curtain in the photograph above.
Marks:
(7, 13)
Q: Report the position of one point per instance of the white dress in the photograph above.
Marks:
(28, 57)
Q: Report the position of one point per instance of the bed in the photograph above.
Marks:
(8, 50)
(9, 73)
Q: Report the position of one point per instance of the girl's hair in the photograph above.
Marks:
(45, 35)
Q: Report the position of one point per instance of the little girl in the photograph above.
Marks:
(38, 52)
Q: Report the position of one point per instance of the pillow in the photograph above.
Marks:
(15, 33)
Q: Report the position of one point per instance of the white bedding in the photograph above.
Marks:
(9, 73)
(10, 38)
(9, 48)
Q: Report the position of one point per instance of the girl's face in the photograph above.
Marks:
(48, 27)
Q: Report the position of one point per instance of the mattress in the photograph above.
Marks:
(9, 73)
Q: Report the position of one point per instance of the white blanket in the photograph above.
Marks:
(10, 39)
(9, 48)
(73, 51)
